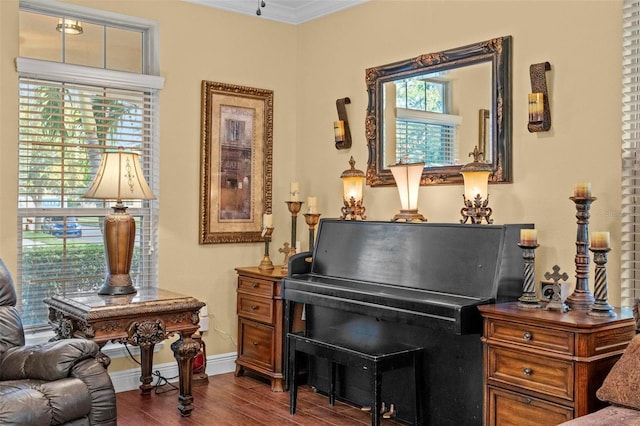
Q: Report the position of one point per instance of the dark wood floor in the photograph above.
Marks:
(229, 400)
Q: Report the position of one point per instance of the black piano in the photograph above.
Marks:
(416, 283)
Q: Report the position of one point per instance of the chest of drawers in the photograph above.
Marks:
(544, 367)
(260, 323)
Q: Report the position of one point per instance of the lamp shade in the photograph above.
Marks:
(352, 182)
(476, 183)
(407, 177)
(119, 177)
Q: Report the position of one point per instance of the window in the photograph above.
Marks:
(425, 132)
(69, 114)
(630, 213)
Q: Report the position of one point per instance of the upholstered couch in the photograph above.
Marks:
(56, 383)
(621, 389)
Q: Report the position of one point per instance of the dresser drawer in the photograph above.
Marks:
(532, 336)
(257, 308)
(255, 286)
(256, 346)
(512, 409)
(535, 373)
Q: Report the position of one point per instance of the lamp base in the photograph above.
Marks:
(409, 216)
(117, 285)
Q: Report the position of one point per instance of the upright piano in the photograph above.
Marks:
(416, 283)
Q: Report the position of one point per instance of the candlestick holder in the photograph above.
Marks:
(581, 298)
(529, 299)
(312, 220)
(601, 307)
(266, 264)
(290, 249)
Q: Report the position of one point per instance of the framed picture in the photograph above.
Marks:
(236, 151)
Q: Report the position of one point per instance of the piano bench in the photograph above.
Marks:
(375, 359)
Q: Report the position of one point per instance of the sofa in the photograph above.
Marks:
(56, 383)
(621, 389)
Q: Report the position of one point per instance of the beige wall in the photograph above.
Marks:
(310, 66)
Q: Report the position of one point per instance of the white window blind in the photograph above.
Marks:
(630, 213)
(64, 128)
(427, 137)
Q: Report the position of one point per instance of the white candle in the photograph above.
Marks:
(582, 189)
(267, 220)
(600, 240)
(294, 191)
(312, 205)
(528, 237)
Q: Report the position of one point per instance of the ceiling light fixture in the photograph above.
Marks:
(69, 26)
(261, 4)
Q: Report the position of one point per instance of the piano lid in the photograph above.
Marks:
(448, 258)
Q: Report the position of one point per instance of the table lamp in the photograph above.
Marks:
(119, 177)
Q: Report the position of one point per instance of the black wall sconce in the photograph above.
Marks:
(539, 113)
(341, 127)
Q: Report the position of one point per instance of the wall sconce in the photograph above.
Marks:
(352, 185)
(341, 127)
(476, 190)
(539, 113)
(407, 177)
(69, 26)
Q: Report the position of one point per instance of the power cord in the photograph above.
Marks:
(161, 381)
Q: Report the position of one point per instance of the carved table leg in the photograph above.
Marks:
(146, 365)
(184, 350)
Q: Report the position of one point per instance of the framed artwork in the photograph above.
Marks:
(236, 151)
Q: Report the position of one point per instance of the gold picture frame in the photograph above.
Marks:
(236, 152)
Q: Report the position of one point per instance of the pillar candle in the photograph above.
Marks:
(600, 240)
(528, 237)
(312, 205)
(294, 192)
(582, 189)
(267, 220)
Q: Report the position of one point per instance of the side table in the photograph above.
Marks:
(545, 366)
(142, 319)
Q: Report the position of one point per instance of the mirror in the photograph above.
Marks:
(435, 108)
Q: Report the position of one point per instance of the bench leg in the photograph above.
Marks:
(417, 377)
(332, 385)
(376, 378)
(293, 377)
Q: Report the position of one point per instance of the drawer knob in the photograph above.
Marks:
(254, 307)
(254, 285)
(527, 371)
(526, 336)
(255, 343)
(528, 401)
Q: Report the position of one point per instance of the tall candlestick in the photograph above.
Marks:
(529, 298)
(266, 263)
(601, 307)
(581, 298)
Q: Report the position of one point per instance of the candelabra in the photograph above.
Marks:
(528, 298)
(312, 220)
(266, 263)
(294, 208)
(601, 307)
(581, 298)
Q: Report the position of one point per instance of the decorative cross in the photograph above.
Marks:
(556, 301)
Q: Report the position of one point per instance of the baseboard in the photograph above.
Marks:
(126, 380)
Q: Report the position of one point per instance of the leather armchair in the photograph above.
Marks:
(56, 383)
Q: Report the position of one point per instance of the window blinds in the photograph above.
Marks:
(630, 213)
(64, 128)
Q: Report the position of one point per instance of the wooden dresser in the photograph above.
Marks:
(543, 367)
(260, 324)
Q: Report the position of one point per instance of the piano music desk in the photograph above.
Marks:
(544, 367)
